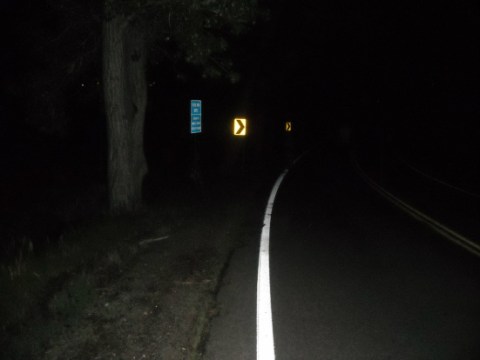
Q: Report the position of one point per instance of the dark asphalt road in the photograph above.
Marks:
(352, 277)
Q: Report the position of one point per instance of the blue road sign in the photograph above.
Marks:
(195, 116)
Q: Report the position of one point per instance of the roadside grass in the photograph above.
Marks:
(39, 293)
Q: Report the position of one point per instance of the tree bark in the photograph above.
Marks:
(125, 94)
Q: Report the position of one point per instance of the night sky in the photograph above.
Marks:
(382, 57)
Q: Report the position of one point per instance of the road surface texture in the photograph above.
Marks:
(352, 277)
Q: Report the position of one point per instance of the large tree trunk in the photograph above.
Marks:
(125, 93)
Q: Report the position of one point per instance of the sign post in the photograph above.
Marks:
(196, 128)
(239, 129)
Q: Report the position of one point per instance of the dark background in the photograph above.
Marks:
(402, 78)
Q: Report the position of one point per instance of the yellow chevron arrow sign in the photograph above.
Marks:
(239, 127)
(288, 126)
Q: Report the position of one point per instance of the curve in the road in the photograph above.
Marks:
(433, 178)
(443, 230)
(265, 340)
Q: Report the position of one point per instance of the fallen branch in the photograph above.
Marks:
(149, 241)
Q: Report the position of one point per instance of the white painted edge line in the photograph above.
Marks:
(265, 339)
(441, 229)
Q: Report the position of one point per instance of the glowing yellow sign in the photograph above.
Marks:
(240, 127)
(288, 126)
